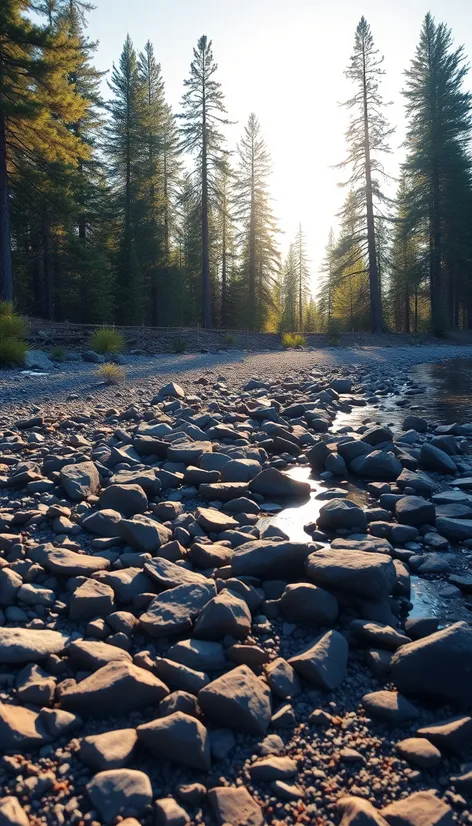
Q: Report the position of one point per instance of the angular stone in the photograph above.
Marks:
(169, 813)
(324, 661)
(368, 575)
(419, 809)
(378, 465)
(105, 523)
(453, 734)
(433, 458)
(341, 513)
(144, 534)
(91, 654)
(238, 699)
(222, 491)
(118, 685)
(210, 555)
(268, 559)
(202, 655)
(120, 792)
(174, 611)
(62, 562)
(234, 805)
(215, 521)
(273, 484)
(179, 738)
(377, 635)
(416, 511)
(110, 750)
(390, 707)
(456, 530)
(169, 575)
(20, 729)
(438, 666)
(225, 614)
(80, 480)
(127, 499)
(420, 752)
(12, 813)
(273, 768)
(25, 645)
(91, 599)
(240, 470)
(282, 679)
(305, 603)
(188, 452)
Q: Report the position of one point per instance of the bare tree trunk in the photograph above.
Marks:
(6, 274)
(407, 309)
(374, 282)
(206, 287)
(224, 273)
(47, 276)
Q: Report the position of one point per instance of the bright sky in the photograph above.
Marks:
(284, 60)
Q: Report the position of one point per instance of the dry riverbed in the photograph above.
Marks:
(214, 594)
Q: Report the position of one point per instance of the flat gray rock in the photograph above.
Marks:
(167, 574)
(80, 480)
(118, 685)
(419, 809)
(267, 559)
(368, 575)
(234, 805)
(390, 707)
(25, 645)
(63, 562)
(144, 534)
(120, 792)
(174, 611)
(110, 750)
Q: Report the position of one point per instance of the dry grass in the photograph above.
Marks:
(111, 373)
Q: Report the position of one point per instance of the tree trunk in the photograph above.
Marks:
(224, 274)
(6, 275)
(407, 309)
(47, 278)
(374, 283)
(300, 285)
(206, 287)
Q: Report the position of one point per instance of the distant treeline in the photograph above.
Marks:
(122, 210)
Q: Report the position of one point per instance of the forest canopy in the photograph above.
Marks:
(114, 207)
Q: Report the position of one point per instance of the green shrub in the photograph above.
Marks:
(107, 340)
(293, 340)
(111, 373)
(58, 354)
(12, 352)
(229, 340)
(334, 331)
(179, 345)
(12, 326)
(6, 308)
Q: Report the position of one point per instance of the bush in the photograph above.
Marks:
(179, 345)
(111, 373)
(12, 330)
(229, 340)
(334, 331)
(58, 354)
(107, 340)
(12, 352)
(293, 340)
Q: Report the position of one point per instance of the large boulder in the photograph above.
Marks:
(324, 661)
(120, 792)
(341, 513)
(118, 685)
(174, 611)
(239, 700)
(308, 604)
(177, 737)
(273, 484)
(416, 511)
(267, 559)
(25, 645)
(234, 805)
(144, 534)
(456, 530)
(127, 499)
(419, 809)
(368, 575)
(37, 360)
(438, 666)
(433, 458)
(378, 465)
(225, 614)
(80, 480)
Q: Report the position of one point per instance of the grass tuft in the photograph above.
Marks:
(179, 345)
(12, 352)
(107, 341)
(111, 373)
(293, 340)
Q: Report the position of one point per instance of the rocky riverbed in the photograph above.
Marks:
(206, 606)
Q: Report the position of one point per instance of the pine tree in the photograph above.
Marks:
(260, 255)
(303, 276)
(328, 282)
(289, 291)
(202, 116)
(367, 139)
(438, 164)
(126, 157)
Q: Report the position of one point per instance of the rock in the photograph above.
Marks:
(20, 729)
(225, 614)
(266, 558)
(358, 812)
(12, 813)
(179, 677)
(118, 685)
(179, 738)
(415, 423)
(222, 742)
(341, 513)
(144, 534)
(80, 480)
(93, 357)
(273, 768)
(65, 563)
(214, 521)
(433, 458)
(187, 452)
(324, 661)
(91, 599)
(389, 707)
(127, 499)
(378, 465)
(169, 575)
(91, 655)
(201, 655)
(273, 484)
(210, 555)
(234, 805)
(416, 511)
(309, 604)
(453, 734)
(369, 575)
(174, 611)
(171, 390)
(420, 482)
(110, 750)
(463, 783)
(457, 530)
(438, 666)
(420, 752)
(105, 523)
(240, 470)
(120, 792)
(282, 679)
(222, 491)
(377, 635)
(10, 582)
(37, 360)
(35, 686)
(169, 813)
(238, 699)
(419, 809)
(25, 645)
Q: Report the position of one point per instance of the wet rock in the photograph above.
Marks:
(238, 699)
(378, 465)
(433, 458)
(438, 666)
(179, 738)
(341, 513)
(323, 663)
(273, 484)
(120, 792)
